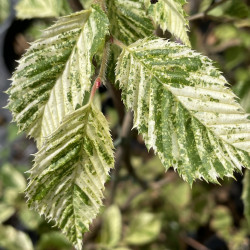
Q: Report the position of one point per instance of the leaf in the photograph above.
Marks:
(12, 239)
(184, 110)
(128, 20)
(4, 10)
(143, 229)
(46, 8)
(242, 88)
(12, 178)
(6, 212)
(70, 170)
(86, 3)
(246, 196)
(54, 74)
(111, 227)
(53, 240)
(170, 15)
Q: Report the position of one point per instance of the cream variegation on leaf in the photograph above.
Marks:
(128, 20)
(184, 109)
(55, 73)
(67, 181)
(170, 15)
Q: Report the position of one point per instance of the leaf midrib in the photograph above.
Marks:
(175, 97)
(59, 75)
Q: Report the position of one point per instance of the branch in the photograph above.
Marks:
(120, 152)
(205, 13)
(169, 177)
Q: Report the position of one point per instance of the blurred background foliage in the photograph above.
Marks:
(145, 208)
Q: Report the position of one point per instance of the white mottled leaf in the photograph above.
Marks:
(184, 109)
(54, 74)
(170, 15)
(128, 20)
(70, 170)
(45, 8)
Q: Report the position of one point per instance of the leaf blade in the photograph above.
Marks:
(128, 20)
(183, 109)
(70, 170)
(55, 73)
(170, 15)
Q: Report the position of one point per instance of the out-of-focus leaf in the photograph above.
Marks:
(53, 241)
(112, 226)
(4, 9)
(233, 9)
(12, 239)
(45, 8)
(222, 221)
(237, 9)
(144, 228)
(246, 196)
(29, 218)
(180, 190)
(6, 212)
(11, 178)
(242, 88)
(86, 3)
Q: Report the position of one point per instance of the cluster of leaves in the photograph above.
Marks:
(182, 107)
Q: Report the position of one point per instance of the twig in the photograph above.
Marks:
(153, 185)
(75, 5)
(194, 243)
(116, 97)
(205, 13)
(120, 152)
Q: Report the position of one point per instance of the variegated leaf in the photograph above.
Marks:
(170, 15)
(70, 170)
(54, 74)
(128, 20)
(44, 8)
(184, 110)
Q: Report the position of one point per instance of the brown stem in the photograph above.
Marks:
(205, 13)
(120, 153)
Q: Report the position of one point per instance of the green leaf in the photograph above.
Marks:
(46, 8)
(12, 178)
(12, 239)
(170, 15)
(143, 229)
(70, 170)
(246, 196)
(4, 10)
(53, 240)
(54, 74)
(128, 20)
(6, 212)
(184, 109)
(86, 3)
(111, 227)
(242, 88)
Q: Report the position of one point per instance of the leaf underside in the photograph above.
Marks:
(70, 170)
(54, 74)
(184, 110)
(170, 15)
